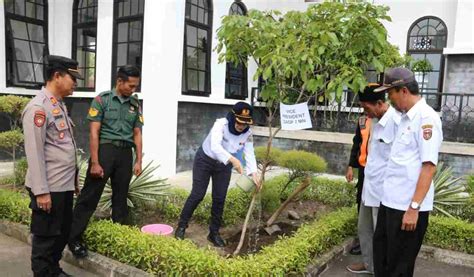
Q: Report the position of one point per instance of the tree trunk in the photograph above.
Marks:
(297, 191)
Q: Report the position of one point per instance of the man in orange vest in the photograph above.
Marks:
(358, 159)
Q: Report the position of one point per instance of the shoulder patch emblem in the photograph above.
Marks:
(39, 118)
(93, 112)
(427, 133)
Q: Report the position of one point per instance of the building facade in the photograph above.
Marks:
(183, 87)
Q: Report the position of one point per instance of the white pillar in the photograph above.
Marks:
(161, 81)
(60, 27)
(463, 32)
(105, 26)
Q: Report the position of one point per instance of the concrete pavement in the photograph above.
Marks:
(422, 268)
(15, 260)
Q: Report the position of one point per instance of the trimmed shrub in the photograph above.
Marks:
(450, 233)
(261, 153)
(20, 171)
(165, 255)
(14, 206)
(302, 161)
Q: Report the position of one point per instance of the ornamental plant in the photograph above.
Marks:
(302, 55)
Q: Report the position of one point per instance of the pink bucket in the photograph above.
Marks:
(157, 229)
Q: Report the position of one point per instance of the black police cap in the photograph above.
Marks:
(66, 64)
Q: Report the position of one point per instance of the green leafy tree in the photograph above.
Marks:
(301, 55)
(11, 107)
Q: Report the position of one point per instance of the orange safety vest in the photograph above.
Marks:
(364, 124)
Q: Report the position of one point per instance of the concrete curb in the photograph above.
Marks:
(446, 256)
(94, 263)
(103, 266)
(319, 264)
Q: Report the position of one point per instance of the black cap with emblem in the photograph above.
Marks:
(54, 62)
(395, 77)
(243, 113)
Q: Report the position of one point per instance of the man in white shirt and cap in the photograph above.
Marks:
(408, 189)
(383, 129)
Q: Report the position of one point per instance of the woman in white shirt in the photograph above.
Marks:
(215, 159)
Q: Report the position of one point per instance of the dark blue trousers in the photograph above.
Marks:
(205, 168)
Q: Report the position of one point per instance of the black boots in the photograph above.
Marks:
(179, 233)
(216, 239)
(78, 249)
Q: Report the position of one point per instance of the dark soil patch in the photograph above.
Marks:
(258, 239)
(307, 210)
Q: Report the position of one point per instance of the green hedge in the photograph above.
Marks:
(450, 233)
(14, 206)
(157, 254)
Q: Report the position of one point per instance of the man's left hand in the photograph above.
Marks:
(410, 218)
(137, 169)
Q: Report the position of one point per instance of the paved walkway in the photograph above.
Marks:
(15, 260)
(185, 179)
(423, 268)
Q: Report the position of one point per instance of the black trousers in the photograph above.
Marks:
(50, 233)
(117, 165)
(205, 168)
(395, 250)
(359, 185)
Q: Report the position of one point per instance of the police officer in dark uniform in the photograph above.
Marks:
(116, 121)
(51, 178)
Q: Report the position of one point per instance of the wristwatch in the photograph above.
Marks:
(415, 205)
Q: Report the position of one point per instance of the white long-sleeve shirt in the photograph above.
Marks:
(220, 144)
(381, 138)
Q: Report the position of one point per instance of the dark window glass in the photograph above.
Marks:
(426, 39)
(236, 74)
(197, 48)
(128, 34)
(26, 32)
(84, 45)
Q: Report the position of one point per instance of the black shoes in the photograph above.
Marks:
(63, 274)
(78, 249)
(355, 250)
(216, 239)
(179, 234)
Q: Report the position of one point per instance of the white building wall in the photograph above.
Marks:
(163, 54)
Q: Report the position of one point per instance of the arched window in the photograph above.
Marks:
(426, 39)
(128, 34)
(84, 41)
(26, 31)
(196, 75)
(236, 75)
